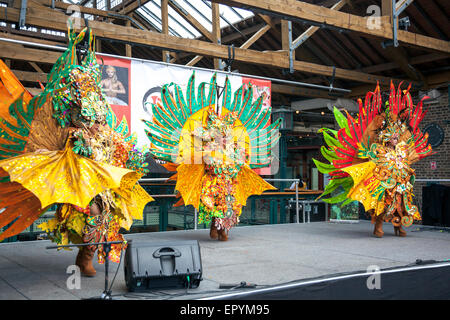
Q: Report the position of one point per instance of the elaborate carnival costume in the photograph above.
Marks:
(65, 147)
(371, 156)
(213, 149)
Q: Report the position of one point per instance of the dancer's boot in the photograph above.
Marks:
(213, 231)
(399, 231)
(84, 261)
(223, 235)
(378, 230)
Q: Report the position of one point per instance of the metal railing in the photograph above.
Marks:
(296, 197)
(432, 180)
(297, 209)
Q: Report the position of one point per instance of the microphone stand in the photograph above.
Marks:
(106, 295)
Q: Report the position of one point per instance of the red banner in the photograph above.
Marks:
(116, 85)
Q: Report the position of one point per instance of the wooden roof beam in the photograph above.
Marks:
(18, 52)
(311, 30)
(165, 25)
(399, 56)
(55, 20)
(402, 4)
(30, 76)
(130, 6)
(247, 44)
(65, 6)
(215, 18)
(431, 81)
(299, 10)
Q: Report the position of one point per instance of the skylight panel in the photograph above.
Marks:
(150, 16)
(228, 14)
(181, 26)
(244, 13)
(199, 11)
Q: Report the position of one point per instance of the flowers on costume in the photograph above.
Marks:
(80, 146)
(136, 160)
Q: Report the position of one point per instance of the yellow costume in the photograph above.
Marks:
(213, 149)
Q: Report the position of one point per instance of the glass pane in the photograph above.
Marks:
(201, 12)
(315, 179)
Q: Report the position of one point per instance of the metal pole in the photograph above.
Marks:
(432, 180)
(23, 13)
(291, 48)
(33, 44)
(395, 22)
(296, 202)
(153, 179)
(303, 210)
(195, 219)
(106, 294)
(309, 214)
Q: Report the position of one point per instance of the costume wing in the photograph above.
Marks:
(17, 112)
(166, 129)
(25, 123)
(263, 137)
(342, 149)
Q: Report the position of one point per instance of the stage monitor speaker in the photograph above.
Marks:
(158, 265)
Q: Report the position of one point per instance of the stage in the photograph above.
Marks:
(265, 255)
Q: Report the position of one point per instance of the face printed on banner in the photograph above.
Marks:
(116, 85)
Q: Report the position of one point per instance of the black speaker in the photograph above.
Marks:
(157, 265)
(435, 206)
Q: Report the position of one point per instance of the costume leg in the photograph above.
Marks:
(213, 231)
(86, 253)
(223, 236)
(399, 231)
(378, 221)
(397, 222)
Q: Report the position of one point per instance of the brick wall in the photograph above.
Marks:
(437, 113)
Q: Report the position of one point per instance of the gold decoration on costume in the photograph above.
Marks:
(249, 183)
(43, 123)
(189, 183)
(65, 177)
(190, 148)
(364, 185)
